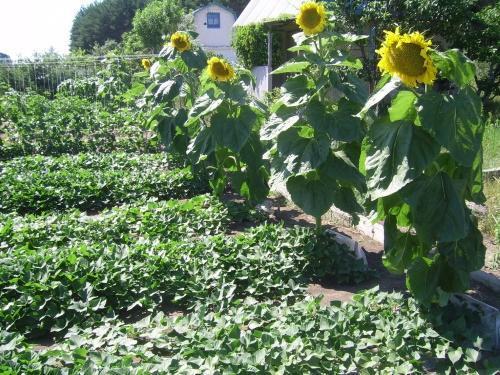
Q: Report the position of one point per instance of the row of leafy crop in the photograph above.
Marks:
(376, 333)
(50, 284)
(33, 124)
(90, 181)
(126, 224)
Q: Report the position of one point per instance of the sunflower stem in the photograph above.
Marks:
(318, 225)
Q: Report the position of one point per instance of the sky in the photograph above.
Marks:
(28, 26)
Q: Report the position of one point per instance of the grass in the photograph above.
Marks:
(490, 224)
(491, 145)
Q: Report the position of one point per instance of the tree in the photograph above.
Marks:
(158, 18)
(102, 21)
(470, 25)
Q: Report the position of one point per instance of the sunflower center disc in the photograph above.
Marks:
(406, 59)
(311, 18)
(219, 69)
(180, 43)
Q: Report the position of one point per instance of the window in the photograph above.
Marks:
(213, 20)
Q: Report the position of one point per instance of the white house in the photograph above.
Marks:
(214, 24)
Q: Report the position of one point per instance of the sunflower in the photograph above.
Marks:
(180, 41)
(406, 56)
(311, 18)
(219, 69)
(146, 64)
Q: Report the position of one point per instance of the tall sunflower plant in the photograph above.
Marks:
(313, 135)
(422, 159)
(224, 125)
(175, 88)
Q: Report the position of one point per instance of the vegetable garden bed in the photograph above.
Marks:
(90, 181)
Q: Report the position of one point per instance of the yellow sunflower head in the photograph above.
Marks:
(146, 63)
(220, 70)
(407, 56)
(180, 41)
(311, 18)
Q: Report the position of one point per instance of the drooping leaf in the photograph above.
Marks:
(455, 66)
(204, 105)
(399, 248)
(195, 59)
(345, 127)
(398, 152)
(467, 254)
(379, 95)
(302, 154)
(313, 195)
(454, 121)
(276, 125)
(353, 87)
(295, 91)
(233, 132)
(201, 145)
(339, 168)
(422, 279)
(438, 211)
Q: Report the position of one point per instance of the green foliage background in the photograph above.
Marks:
(104, 20)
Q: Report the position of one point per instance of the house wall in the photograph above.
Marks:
(216, 40)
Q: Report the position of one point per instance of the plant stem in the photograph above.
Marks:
(318, 225)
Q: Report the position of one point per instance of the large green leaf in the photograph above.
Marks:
(422, 279)
(292, 67)
(355, 89)
(466, 254)
(398, 152)
(345, 127)
(340, 124)
(276, 125)
(403, 106)
(455, 122)
(379, 95)
(455, 66)
(168, 90)
(202, 145)
(166, 128)
(232, 132)
(339, 168)
(399, 248)
(295, 91)
(302, 153)
(313, 195)
(438, 211)
(195, 59)
(204, 105)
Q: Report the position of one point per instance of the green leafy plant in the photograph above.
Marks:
(90, 181)
(315, 137)
(248, 42)
(377, 332)
(33, 124)
(422, 159)
(125, 224)
(79, 281)
(224, 123)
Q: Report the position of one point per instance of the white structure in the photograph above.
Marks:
(214, 24)
(262, 11)
(273, 13)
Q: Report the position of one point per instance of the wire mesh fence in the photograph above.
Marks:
(48, 75)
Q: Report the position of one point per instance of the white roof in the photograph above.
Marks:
(258, 11)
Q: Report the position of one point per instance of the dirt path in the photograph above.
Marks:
(374, 250)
